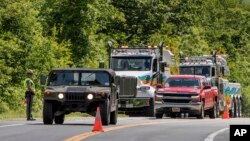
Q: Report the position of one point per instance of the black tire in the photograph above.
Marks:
(232, 111)
(159, 116)
(218, 110)
(150, 111)
(48, 114)
(173, 115)
(105, 112)
(240, 108)
(113, 116)
(59, 119)
(236, 108)
(213, 112)
(201, 115)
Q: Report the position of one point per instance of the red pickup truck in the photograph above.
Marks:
(188, 95)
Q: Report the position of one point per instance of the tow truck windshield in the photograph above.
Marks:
(196, 70)
(131, 63)
(183, 82)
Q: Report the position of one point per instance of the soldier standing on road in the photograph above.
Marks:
(29, 94)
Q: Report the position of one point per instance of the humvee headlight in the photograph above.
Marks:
(90, 96)
(60, 96)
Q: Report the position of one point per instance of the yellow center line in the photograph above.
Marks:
(83, 136)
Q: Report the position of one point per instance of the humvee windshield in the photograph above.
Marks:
(131, 63)
(182, 82)
(74, 78)
(196, 70)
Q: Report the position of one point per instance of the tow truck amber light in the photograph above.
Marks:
(90, 96)
(60, 95)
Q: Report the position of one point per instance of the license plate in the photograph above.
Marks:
(176, 109)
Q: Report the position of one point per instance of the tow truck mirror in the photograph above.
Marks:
(43, 79)
(113, 85)
(158, 86)
(206, 86)
(162, 66)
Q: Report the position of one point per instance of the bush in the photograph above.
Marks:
(246, 101)
(3, 107)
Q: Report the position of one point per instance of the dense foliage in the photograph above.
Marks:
(46, 34)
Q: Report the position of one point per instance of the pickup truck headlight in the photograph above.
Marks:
(195, 98)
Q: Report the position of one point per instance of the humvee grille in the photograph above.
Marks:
(74, 97)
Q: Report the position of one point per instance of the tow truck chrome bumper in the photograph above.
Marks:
(130, 103)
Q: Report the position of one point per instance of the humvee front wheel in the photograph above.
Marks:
(59, 119)
(113, 116)
(48, 115)
(158, 115)
(105, 112)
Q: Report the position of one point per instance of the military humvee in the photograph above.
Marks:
(80, 90)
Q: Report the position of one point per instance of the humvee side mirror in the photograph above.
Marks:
(101, 64)
(43, 79)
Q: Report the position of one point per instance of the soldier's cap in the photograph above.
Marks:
(29, 71)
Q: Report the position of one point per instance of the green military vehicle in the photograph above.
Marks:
(80, 90)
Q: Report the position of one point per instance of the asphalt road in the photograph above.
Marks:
(127, 129)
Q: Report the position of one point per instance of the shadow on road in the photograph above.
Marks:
(65, 124)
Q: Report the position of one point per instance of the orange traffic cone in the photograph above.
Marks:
(225, 113)
(98, 122)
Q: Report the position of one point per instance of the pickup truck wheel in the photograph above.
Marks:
(150, 111)
(105, 112)
(158, 116)
(48, 114)
(113, 116)
(213, 112)
(59, 119)
(218, 110)
(202, 112)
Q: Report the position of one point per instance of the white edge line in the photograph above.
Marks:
(11, 125)
(211, 136)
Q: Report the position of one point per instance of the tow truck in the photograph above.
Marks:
(139, 68)
(214, 67)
